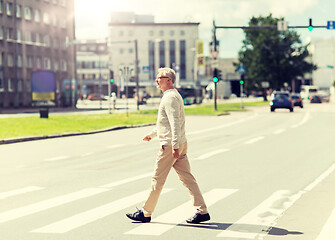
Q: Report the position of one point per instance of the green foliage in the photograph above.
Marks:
(272, 56)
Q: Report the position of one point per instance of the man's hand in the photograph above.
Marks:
(147, 138)
(175, 153)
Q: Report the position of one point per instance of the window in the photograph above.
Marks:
(1, 4)
(46, 18)
(18, 11)
(10, 85)
(38, 63)
(183, 59)
(37, 15)
(47, 63)
(10, 34)
(2, 59)
(171, 33)
(152, 59)
(1, 81)
(131, 50)
(9, 9)
(120, 33)
(121, 50)
(182, 33)
(172, 44)
(151, 33)
(162, 54)
(27, 13)
(19, 60)
(30, 62)
(62, 3)
(19, 86)
(54, 1)
(161, 33)
(19, 35)
(54, 20)
(1, 33)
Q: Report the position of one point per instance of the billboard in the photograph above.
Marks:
(43, 84)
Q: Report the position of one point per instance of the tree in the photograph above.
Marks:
(272, 56)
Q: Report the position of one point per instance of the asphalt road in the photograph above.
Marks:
(264, 176)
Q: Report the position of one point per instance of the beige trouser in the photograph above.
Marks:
(164, 162)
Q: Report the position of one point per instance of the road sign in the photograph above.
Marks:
(145, 69)
(330, 24)
(241, 69)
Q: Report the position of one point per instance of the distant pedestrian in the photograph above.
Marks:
(114, 100)
(170, 130)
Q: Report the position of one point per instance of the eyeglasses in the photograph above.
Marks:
(161, 77)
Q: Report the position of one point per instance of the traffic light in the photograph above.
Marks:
(242, 79)
(310, 26)
(111, 76)
(215, 75)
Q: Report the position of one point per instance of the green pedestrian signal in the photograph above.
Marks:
(111, 76)
(310, 26)
(215, 79)
(241, 82)
(215, 75)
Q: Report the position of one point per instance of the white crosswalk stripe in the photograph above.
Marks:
(172, 218)
(50, 203)
(81, 219)
(20, 191)
(328, 230)
(260, 219)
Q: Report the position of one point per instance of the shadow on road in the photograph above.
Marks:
(245, 228)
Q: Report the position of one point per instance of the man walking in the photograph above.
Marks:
(170, 130)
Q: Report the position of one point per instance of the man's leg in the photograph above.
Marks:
(183, 169)
(163, 166)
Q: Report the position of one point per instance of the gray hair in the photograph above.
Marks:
(168, 72)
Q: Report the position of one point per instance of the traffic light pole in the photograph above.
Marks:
(215, 96)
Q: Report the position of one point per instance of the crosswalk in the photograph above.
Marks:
(255, 224)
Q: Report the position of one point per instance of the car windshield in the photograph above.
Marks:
(281, 95)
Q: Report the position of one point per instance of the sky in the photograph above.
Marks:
(92, 17)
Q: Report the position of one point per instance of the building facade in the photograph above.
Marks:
(158, 45)
(92, 67)
(34, 35)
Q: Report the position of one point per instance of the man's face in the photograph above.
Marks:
(162, 82)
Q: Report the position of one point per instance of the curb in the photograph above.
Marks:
(34, 138)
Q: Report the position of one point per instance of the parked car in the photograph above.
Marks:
(281, 99)
(297, 100)
(315, 99)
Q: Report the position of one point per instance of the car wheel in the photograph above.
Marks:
(291, 109)
(301, 106)
(272, 109)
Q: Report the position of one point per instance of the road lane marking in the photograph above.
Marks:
(279, 131)
(253, 140)
(116, 146)
(304, 120)
(222, 126)
(16, 192)
(49, 203)
(328, 230)
(56, 158)
(127, 180)
(210, 154)
(320, 178)
(170, 219)
(259, 220)
(92, 215)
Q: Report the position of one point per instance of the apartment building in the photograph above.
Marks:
(158, 45)
(34, 35)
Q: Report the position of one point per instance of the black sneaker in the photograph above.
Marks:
(197, 218)
(138, 216)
